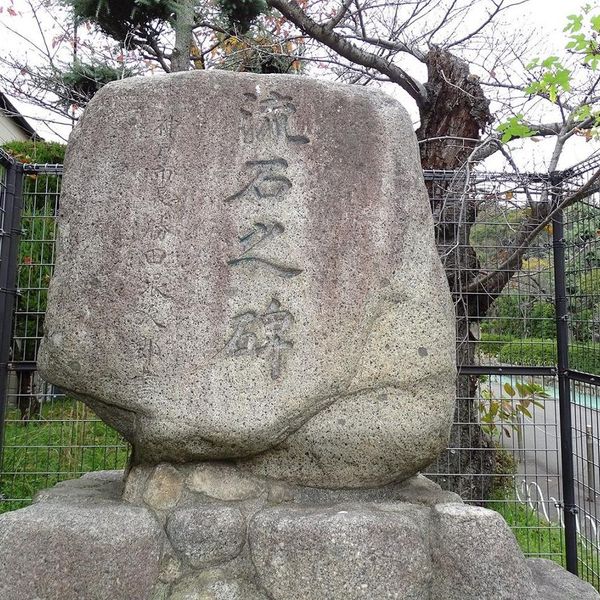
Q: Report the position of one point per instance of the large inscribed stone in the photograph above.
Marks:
(247, 270)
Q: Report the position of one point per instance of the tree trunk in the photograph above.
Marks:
(184, 24)
(451, 125)
(29, 405)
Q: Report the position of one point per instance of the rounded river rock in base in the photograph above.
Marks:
(247, 270)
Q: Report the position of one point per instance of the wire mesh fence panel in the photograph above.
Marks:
(582, 269)
(505, 445)
(48, 436)
(3, 183)
(527, 484)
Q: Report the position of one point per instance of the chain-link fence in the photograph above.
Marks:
(515, 393)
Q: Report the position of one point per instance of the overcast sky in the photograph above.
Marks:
(548, 18)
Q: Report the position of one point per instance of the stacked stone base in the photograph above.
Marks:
(210, 532)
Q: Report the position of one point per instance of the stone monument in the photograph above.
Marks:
(247, 288)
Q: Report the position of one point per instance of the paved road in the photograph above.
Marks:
(538, 451)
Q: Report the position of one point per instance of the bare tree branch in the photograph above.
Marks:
(339, 16)
(292, 11)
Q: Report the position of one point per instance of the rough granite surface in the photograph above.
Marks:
(207, 535)
(343, 552)
(246, 269)
(82, 541)
(225, 481)
(215, 585)
(476, 556)
(554, 583)
(67, 548)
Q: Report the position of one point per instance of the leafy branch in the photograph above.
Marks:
(501, 415)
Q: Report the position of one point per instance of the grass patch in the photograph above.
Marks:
(65, 441)
(535, 535)
(529, 351)
(540, 538)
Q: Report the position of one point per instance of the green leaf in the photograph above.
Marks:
(522, 388)
(592, 60)
(583, 112)
(550, 62)
(578, 42)
(509, 390)
(489, 429)
(514, 128)
(575, 23)
(562, 78)
(494, 408)
(523, 410)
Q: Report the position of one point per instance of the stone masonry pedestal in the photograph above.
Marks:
(208, 531)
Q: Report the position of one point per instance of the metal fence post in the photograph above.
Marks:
(564, 388)
(9, 251)
(589, 455)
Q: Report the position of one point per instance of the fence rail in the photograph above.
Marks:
(531, 386)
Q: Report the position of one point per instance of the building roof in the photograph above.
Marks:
(7, 107)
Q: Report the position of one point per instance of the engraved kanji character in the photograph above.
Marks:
(262, 335)
(268, 182)
(257, 236)
(243, 341)
(268, 119)
(276, 322)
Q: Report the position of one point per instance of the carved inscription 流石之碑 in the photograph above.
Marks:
(265, 122)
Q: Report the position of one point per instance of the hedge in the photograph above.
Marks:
(542, 352)
(492, 343)
(529, 351)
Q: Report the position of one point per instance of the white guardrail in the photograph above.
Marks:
(540, 505)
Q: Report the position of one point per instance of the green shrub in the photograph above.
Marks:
(585, 323)
(34, 151)
(530, 352)
(521, 316)
(507, 316)
(542, 321)
(492, 343)
(584, 358)
(542, 352)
